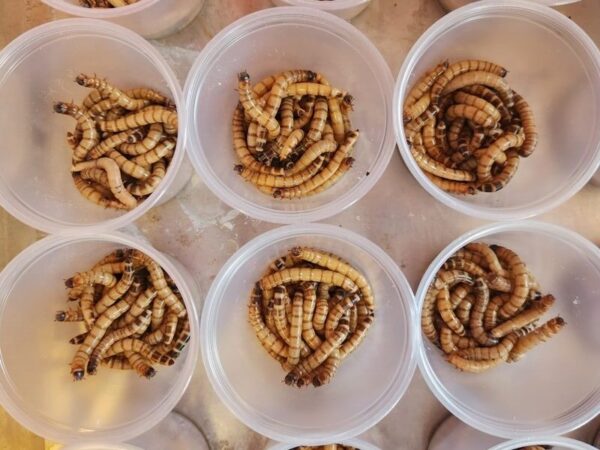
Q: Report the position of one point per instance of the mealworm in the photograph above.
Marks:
(491, 260)
(335, 264)
(308, 310)
(478, 103)
(304, 118)
(536, 337)
(478, 116)
(114, 179)
(446, 341)
(344, 167)
(435, 168)
(327, 370)
(473, 366)
(116, 362)
(157, 278)
(529, 315)
(117, 291)
(325, 174)
(336, 118)
(78, 339)
(296, 328)
(280, 181)
(491, 80)
(139, 363)
(482, 298)
(141, 188)
(455, 187)
(310, 155)
(91, 278)
(138, 346)
(457, 263)
(151, 140)
(446, 312)
(357, 337)
(531, 135)
(315, 359)
(519, 278)
(146, 116)
(421, 88)
(463, 342)
(162, 150)
(256, 112)
(490, 317)
(115, 95)
(267, 339)
(316, 89)
(322, 307)
(489, 155)
(489, 96)
(116, 335)
(463, 310)
(150, 95)
(87, 125)
(69, 315)
(295, 275)
(499, 351)
(93, 194)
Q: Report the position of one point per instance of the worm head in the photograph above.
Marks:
(238, 168)
(92, 367)
(311, 76)
(348, 162)
(243, 76)
(82, 79)
(150, 372)
(60, 316)
(78, 375)
(349, 101)
(69, 282)
(61, 107)
(316, 382)
(291, 378)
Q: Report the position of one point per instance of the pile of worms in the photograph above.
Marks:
(292, 133)
(309, 311)
(467, 129)
(106, 3)
(326, 447)
(483, 307)
(122, 144)
(132, 312)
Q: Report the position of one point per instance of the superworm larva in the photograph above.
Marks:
(461, 311)
(464, 128)
(536, 337)
(116, 303)
(312, 296)
(287, 124)
(85, 123)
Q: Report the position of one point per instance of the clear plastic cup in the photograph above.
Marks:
(268, 42)
(39, 68)
(357, 443)
(150, 18)
(556, 387)
(450, 5)
(557, 443)
(346, 9)
(36, 387)
(368, 383)
(102, 446)
(533, 42)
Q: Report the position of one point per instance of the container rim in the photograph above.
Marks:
(237, 406)
(481, 422)
(21, 47)
(187, 286)
(356, 442)
(286, 15)
(563, 441)
(326, 6)
(100, 13)
(459, 16)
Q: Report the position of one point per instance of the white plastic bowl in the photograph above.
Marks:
(150, 18)
(268, 42)
(558, 443)
(556, 387)
(36, 387)
(249, 381)
(534, 43)
(39, 68)
(357, 443)
(450, 5)
(346, 9)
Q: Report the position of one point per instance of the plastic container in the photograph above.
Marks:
(150, 18)
(35, 179)
(567, 118)
(236, 363)
(358, 443)
(268, 42)
(101, 446)
(36, 387)
(346, 9)
(450, 5)
(556, 387)
(557, 443)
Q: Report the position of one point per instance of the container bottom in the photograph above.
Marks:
(175, 432)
